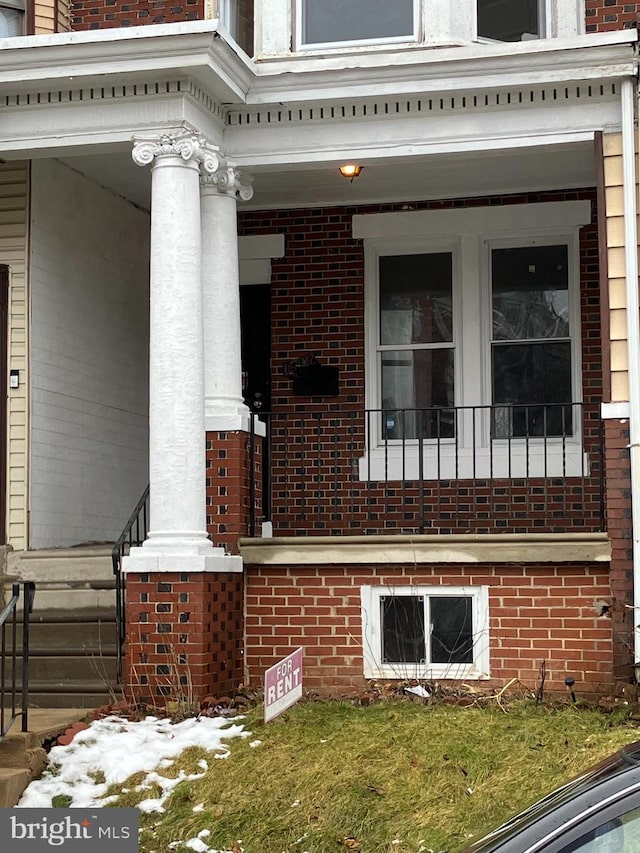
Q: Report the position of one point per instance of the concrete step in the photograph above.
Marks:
(66, 578)
(22, 755)
(13, 782)
(72, 694)
(72, 658)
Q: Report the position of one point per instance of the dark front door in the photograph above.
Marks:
(4, 317)
(255, 320)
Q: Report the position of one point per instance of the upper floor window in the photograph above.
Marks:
(11, 18)
(510, 20)
(328, 23)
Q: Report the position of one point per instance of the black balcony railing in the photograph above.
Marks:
(483, 469)
(14, 657)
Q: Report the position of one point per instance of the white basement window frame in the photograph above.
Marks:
(469, 235)
(435, 632)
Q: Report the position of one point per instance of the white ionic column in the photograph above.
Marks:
(178, 538)
(224, 406)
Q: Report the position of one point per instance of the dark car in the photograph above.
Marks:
(597, 813)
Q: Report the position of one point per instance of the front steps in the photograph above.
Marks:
(73, 650)
(72, 658)
(22, 754)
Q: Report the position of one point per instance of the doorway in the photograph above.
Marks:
(255, 324)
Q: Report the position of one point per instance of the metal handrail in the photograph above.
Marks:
(9, 710)
(133, 533)
(486, 469)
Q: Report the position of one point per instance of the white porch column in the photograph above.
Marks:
(224, 406)
(178, 537)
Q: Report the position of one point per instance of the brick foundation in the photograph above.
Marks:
(184, 635)
(536, 613)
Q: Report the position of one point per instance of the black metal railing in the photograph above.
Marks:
(14, 658)
(134, 533)
(484, 469)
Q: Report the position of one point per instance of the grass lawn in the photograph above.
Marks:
(397, 776)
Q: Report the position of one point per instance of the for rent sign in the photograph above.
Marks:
(283, 685)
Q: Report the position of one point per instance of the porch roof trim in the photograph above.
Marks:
(204, 51)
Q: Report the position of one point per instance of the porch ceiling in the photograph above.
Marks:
(566, 166)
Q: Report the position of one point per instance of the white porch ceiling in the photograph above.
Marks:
(408, 179)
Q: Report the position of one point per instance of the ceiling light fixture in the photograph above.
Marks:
(350, 171)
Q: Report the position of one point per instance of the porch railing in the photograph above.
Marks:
(14, 658)
(134, 533)
(482, 469)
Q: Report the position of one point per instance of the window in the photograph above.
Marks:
(416, 344)
(473, 342)
(531, 349)
(333, 22)
(425, 632)
(11, 18)
(510, 20)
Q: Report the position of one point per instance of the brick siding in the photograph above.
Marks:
(318, 298)
(537, 613)
(229, 489)
(618, 481)
(604, 15)
(105, 14)
(184, 635)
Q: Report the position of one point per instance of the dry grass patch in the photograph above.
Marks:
(397, 776)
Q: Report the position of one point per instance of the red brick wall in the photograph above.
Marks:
(318, 307)
(184, 635)
(603, 15)
(536, 613)
(618, 479)
(228, 487)
(105, 14)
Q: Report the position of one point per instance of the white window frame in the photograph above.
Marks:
(301, 45)
(544, 17)
(571, 240)
(470, 233)
(374, 667)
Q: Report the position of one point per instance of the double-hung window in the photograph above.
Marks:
(473, 342)
(425, 632)
(416, 349)
(531, 360)
(331, 23)
(12, 18)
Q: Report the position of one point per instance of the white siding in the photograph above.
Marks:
(89, 358)
(13, 243)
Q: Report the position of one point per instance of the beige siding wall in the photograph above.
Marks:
(14, 181)
(613, 174)
(46, 13)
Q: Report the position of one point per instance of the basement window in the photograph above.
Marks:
(12, 18)
(425, 632)
(510, 20)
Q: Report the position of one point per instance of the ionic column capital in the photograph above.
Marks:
(229, 180)
(189, 146)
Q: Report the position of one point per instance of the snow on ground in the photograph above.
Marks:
(112, 749)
